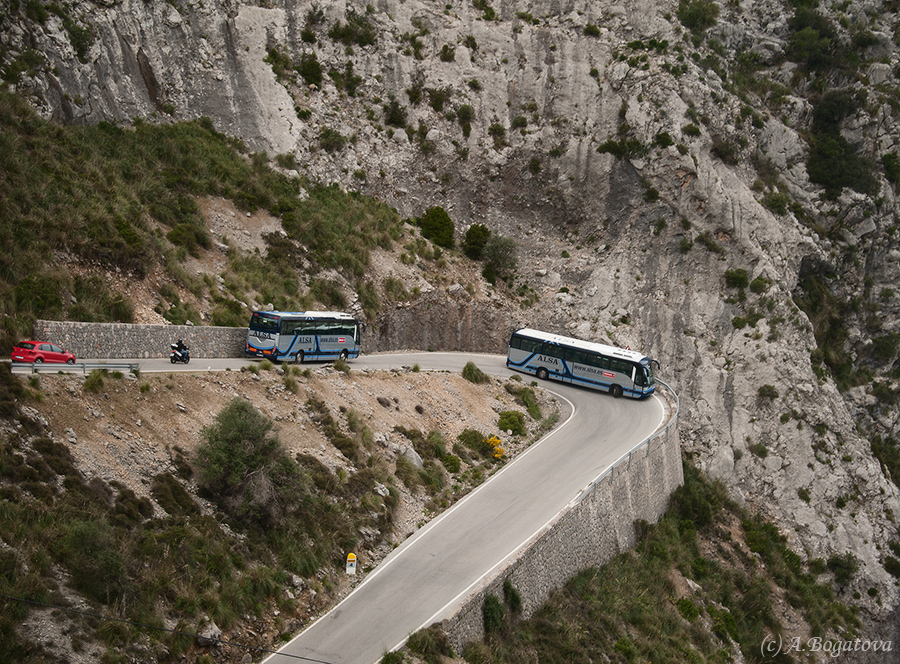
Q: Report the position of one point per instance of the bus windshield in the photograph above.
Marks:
(263, 322)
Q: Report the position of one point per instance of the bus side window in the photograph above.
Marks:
(528, 345)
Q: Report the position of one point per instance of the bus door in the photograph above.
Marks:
(569, 358)
(578, 368)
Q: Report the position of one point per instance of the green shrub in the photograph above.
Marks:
(190, 236)
(346, 79)
(448, 53)
(776, 202)
(697, 15)
(663, 140)
(310, 69)
(95, 380)
(493, 614)
(172, 496)
(759, 450)
(246, 470)
(843, 567)
(280, 62)
(498, 132)
(476, 237)
(812, 39)
(39, 294)
(512, 421)
(687, 609)
(473, 374)
(90, 551)
(623, 148)
(431, 643)
(737, 278)
(768, 392)
(438, 227)
(892, 566)
(834, 163)
(500, 253)
(331, 140)
(891, 165)
(884, 348)
(759, 285)
(452, 463)
(464, 115)
(357, 30)
(697, 500)
(511, 597)
(394, 114)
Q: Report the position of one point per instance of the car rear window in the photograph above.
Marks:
(25, 346)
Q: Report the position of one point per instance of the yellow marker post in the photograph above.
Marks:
(351, 563)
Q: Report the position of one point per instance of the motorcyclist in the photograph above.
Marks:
(179, 346)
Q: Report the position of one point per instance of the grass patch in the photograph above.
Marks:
(475, 375)
(632, 608)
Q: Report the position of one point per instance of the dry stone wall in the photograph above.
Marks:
(592, 530)
(123, 340)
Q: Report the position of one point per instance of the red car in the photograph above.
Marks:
(40, 351)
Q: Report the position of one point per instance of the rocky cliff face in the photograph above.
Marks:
(669, 189)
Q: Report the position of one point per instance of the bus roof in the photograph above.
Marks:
(306, 314)
(603, 349)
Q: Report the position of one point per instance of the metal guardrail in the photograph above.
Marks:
(626, 458)
(84, 367)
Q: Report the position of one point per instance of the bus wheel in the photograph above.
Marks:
(542, 373)
(344, 354)
(300, 357)
(616, 391)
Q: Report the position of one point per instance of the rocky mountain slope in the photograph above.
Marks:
(711, 183)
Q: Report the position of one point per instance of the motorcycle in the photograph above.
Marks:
(180, 353)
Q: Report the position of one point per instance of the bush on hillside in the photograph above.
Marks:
(246, 470)
(438, 227)
(476, 238)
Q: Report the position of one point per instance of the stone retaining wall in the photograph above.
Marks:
(123, 340)
(588, 533)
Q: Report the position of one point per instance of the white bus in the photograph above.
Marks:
(295, 336)
(614, 370)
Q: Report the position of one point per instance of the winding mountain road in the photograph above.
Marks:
(423, 580)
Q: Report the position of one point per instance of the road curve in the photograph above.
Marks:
(424, 578)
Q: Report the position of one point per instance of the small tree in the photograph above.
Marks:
(500, 253)
(246, 470)
(438, 227)
(476, 237)
(310, 69)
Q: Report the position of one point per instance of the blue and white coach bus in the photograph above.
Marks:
(614, 370)
(295, 336)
